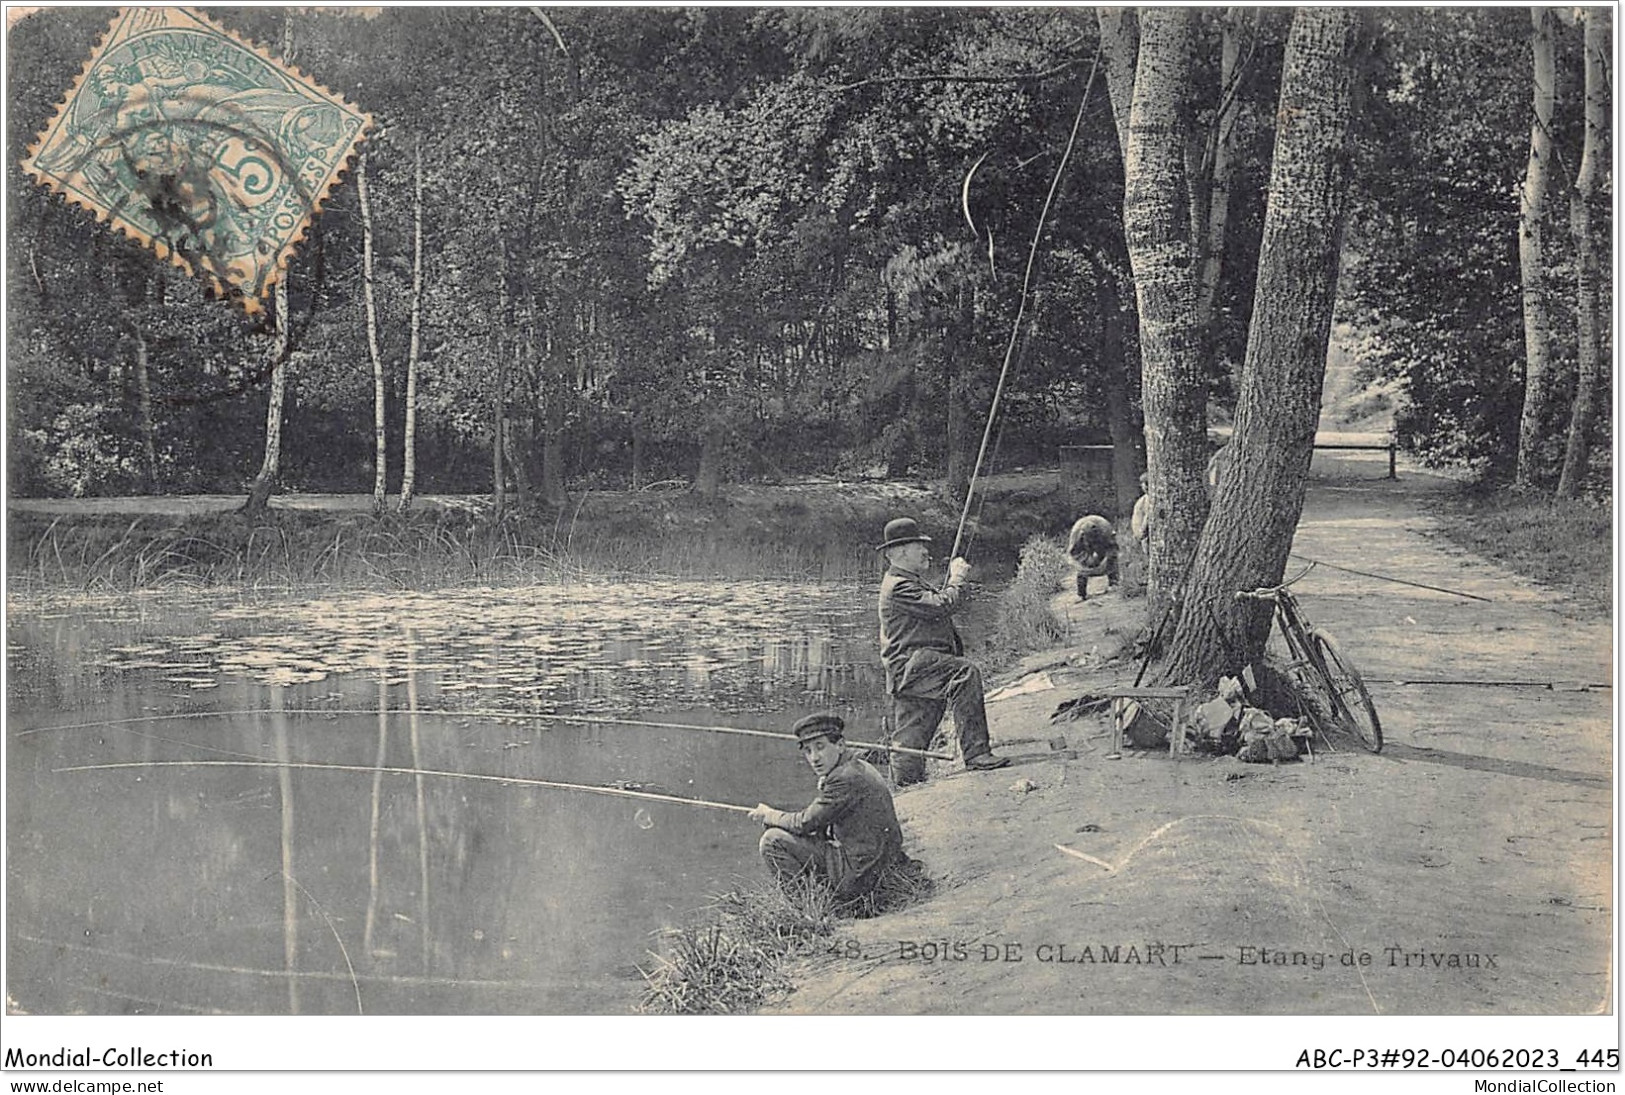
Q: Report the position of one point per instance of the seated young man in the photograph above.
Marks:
(848, 834)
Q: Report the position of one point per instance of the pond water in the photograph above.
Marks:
(225, 805)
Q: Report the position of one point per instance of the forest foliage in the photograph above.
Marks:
(713, 243)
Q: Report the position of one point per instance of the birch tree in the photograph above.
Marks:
(1259, 500)
(260, 490)
(409, 432)
(1588, 212)
(1532, 255)
(380, 459)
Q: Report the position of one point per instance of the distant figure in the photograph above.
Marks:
(926, 667)
(1140, 523)
(1093, 547)
(848, 834)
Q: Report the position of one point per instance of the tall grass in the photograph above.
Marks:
(1022, 620)
(732, 959)
(417, 552)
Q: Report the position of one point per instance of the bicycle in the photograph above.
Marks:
(1341, 701)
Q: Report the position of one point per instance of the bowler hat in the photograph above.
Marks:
(822, 725)
(902, 531)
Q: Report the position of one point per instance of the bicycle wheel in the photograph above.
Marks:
(1351, 703)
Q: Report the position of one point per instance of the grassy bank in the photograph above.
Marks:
(1563, 543)
(730, 959)
(824, 531)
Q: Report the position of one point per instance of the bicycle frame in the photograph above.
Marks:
(1347, 704)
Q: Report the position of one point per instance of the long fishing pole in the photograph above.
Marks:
(482, 713)
(1021, 308)
(619, 792)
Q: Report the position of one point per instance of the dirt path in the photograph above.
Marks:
(1465, 870)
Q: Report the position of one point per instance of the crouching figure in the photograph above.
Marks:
(1093, 548)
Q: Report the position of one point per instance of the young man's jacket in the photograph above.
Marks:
(854, 809)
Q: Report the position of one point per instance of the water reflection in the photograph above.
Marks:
(378, 888)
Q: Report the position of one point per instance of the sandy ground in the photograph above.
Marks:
(1464, 870)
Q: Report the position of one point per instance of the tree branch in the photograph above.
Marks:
(955, 78)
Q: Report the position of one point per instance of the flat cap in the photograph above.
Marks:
(822, 725)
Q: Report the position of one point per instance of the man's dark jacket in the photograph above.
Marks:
(913, 616)
(854, 809)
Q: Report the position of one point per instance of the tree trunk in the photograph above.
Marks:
(149, 445)
(1125, 433)
(1157, 228)
(1532, 259)
(1217, 168)
(380, 454)
(518, 442)
(637, 453)
(956, 389)
(708, 479)
(1586, 209)
(409, 437)
(1120, 48)
(264, 484)
(499, 386)
(556, 379)
(1257, 504)
(259, 492)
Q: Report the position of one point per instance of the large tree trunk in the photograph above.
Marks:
(1532, 258)
(1586, 211)
(1157, 227)
(1257, 504)
(409, 435)
(259, 492)
(380, 454)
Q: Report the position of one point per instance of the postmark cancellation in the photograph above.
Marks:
(186, 138)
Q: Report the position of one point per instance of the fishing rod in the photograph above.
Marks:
(482, 713)
(620, 792)
(1021, 308)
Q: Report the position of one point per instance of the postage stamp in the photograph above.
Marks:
(186, 138)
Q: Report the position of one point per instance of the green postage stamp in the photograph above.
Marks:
(185, 137)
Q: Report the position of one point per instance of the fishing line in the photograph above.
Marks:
(1386, 578)
(620, 792)
(479, 713)
(1021, 309)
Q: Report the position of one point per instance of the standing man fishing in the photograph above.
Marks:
(926, 668)
(848, 835)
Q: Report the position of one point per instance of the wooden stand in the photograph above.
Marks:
(1176, 734)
